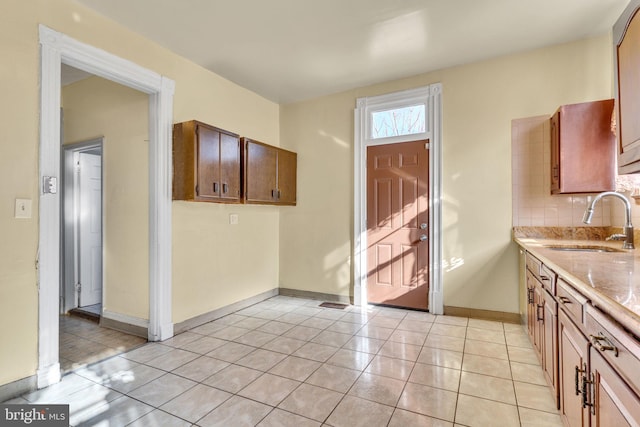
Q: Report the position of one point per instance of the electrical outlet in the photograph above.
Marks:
(23, 208)
(233, 219)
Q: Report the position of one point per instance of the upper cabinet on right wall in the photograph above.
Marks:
(626, 38)
(583, 153)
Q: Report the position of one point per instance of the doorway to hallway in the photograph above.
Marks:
(82, 220)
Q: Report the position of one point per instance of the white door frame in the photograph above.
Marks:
(69, 239)
(431, 97)
(57, 48)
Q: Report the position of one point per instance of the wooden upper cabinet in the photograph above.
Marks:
(583, 148)
(270, 174)
(626, 37)
(287, 171)
(206, 164)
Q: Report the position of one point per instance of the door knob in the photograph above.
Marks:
(423, 237)
(423, 226)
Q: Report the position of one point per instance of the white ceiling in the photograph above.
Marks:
(291, 50)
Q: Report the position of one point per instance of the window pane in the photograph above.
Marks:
(399, 121)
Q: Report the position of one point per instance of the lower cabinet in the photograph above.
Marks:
(613, 403)
(590, 362)
(598, 373)
(550, 347)
(542, 322)
(573, 348)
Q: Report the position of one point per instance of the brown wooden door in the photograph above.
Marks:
(208, 163)
(572, 365)
(397, 217)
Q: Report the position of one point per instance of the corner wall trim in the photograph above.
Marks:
(316, 295)
(223, 311)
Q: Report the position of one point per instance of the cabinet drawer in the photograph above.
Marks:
(617, 346)
(571, 301)
(534, 265)
(544, 274)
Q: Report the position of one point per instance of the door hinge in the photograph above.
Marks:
(427, 145)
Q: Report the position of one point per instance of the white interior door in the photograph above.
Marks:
(90, 229)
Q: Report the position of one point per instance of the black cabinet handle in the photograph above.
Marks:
(577, 379)
(215, 187)
(225, 188)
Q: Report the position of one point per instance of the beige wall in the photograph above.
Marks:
(93, 108)
(479, 102)
(214, 264)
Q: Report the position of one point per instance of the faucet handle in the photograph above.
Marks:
(616, 237)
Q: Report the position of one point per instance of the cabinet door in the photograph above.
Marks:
(229, 167)
(538, 331)
(531, 306)
(614, 403)
(573, 350)
(586, 148)
(555, 152)
(627, 52)
(550, 347)
(208, 163)
(287, 174)
(261, 164)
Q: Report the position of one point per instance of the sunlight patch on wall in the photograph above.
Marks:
(337, 265)
(452, 263)
(338, 141)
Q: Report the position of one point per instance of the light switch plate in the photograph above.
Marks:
(233, 219)
(23, 208)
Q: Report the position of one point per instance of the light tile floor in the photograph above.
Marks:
(288, 362)
(83, 342)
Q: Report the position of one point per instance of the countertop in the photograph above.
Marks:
(610, 280)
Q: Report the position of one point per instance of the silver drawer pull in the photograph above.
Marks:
(597, 342)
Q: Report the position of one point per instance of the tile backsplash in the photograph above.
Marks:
(533, 203)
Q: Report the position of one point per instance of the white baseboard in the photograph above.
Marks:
(122, 322)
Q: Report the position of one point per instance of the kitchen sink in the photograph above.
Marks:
(584, 248)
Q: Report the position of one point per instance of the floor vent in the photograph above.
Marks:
(333, 305)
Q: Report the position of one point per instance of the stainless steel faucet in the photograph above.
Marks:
(628, 228)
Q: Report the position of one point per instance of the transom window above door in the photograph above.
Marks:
(397, 122)
(397, 117)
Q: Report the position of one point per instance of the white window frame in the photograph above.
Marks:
(57, 48)
(431, 97)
